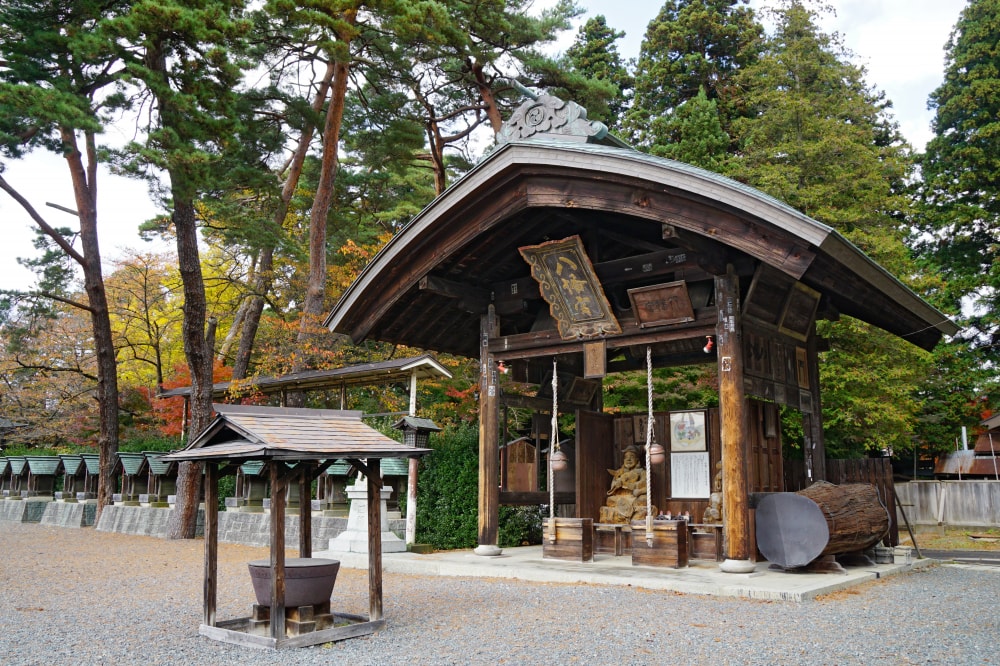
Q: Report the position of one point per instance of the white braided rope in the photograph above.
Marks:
(553, 447)
(649, 445)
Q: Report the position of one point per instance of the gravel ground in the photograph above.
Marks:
(78, 596)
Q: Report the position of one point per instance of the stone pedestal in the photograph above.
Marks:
(355, 538)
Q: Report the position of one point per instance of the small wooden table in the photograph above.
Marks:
(618, 534)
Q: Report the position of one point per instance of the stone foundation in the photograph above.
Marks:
(69, 514)
(27, 510)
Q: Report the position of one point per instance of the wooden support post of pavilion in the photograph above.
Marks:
(489, 439)
(732, 403)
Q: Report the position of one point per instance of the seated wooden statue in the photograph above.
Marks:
(627, 496)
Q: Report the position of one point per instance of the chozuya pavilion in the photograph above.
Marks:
(566, 253)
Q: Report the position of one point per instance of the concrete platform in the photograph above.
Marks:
(526, 563)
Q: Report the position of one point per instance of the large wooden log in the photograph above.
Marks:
(793, 529)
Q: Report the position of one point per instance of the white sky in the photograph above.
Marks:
(900, 42)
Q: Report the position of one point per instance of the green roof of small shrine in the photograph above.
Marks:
(72, 463)
(43, 465)
(131, 462)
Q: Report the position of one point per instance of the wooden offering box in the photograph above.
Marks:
(574, 539)
(705, 542)
(669, 547)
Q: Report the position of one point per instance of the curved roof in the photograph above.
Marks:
(429, 285)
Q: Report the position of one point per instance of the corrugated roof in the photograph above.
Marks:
(131, 462)
(72, 464)
(242, 432)
(92, 461)
(44, 465)
(17, 464)
(425, 366)
(157, 465)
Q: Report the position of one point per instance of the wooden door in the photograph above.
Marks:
(595, 441)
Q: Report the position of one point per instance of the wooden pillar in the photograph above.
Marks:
(411, 476)
(816, 446)
(278, 488)
(734, 413)
(489, 441)
(211, 541)
(305, 509)
(374, 539)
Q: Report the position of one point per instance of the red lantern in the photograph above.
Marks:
(558, 460)
(656, 454)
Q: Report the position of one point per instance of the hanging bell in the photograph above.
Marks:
(656, 454)
(558, 460)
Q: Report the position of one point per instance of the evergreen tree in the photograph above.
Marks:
(693, 133)
(594, 54)
(55, 82)
(960, 230)
(823, 142)
(185, 56)
(689, 46)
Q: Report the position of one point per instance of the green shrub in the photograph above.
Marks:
(520, 526)
(448, 504)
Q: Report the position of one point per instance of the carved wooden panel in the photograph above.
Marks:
(569, 285)
(661, 304)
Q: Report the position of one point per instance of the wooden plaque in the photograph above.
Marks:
(568, 283)
(799, 312)
(595, 356)
(661, 304)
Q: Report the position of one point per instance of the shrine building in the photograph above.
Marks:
(566, 254)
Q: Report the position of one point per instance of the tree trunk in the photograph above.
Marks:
(85, 192)
(855, 516)
(265, 266)
(199, 359)
(486, 92)
(312, 309)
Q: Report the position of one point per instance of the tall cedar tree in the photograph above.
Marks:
(689, 46)
(694, 134)
(53, 92)
(594, 54)
(823, 142)
(180, 55)
(960, 229)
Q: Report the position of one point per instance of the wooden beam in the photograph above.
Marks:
(366, 468)
(470, 299)
(528, 498)
(489, 444)
(305, 508)
(817, 447)
(548, 343)
(211, 542)
(374, 540)
(279, 485)
(734, 414)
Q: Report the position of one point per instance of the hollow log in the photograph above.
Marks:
(855, 515)
(824, 520)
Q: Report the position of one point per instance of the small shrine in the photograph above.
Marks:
(294, 446)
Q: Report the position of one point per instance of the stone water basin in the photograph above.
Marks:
(308, 580)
